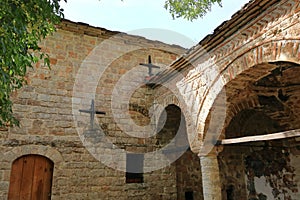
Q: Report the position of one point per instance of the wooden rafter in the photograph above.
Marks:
(257, 138)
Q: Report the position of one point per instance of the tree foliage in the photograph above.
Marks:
(189, 9)
(23, 23)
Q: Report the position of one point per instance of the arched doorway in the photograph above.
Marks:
(187, 166)
(31, 178)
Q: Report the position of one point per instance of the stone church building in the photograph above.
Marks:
(122, 117)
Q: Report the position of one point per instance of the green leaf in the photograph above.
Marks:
(189, 9)
(23, 25)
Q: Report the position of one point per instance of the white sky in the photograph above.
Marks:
(149, 18)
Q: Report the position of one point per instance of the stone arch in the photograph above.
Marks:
(46, 151)
(171, 125)
(252, 61)
(245, 104)
(265, 52)
(172, 99)
(246, 116)
(274, 79)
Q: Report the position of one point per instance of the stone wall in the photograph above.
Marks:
(262, 32)
(189, 179)
(249, 63)
(90, 63)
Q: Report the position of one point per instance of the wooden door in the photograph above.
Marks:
(31, 178)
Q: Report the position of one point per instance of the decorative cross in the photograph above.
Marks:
(92, 112)
(150, 66)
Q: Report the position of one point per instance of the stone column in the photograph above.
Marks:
(210, 177)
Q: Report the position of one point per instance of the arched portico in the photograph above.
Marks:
(240, 72)
(264, 100)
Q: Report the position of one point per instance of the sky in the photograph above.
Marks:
(149, 18)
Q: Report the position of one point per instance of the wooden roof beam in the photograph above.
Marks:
(258, 138)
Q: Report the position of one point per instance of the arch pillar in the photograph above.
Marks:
(211, 182)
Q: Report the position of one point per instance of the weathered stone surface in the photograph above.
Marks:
(241, 80)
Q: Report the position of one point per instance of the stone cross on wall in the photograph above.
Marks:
(150, 66)
(92, 112)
